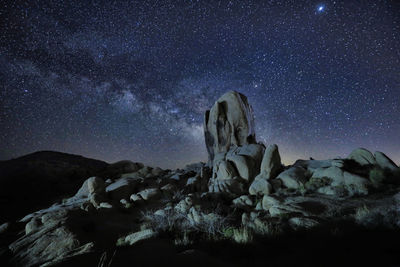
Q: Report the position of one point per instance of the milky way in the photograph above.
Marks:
(131, 80)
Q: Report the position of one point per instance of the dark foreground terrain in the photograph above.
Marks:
(351, 247)
(33, 181)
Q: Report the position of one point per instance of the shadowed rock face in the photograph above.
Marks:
(229, 122)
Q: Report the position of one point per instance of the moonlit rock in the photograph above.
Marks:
(271, 163)
(230, 122)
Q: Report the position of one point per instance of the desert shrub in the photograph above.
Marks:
(378, 217)
(266, 228)
(213, 224)
(242, 235)
(368, 217)
(228, 232)
(210, 226)
(376, 176)
(184, 240)
(333, 212)
(169, 221)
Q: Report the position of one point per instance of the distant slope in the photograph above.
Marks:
(38, 179)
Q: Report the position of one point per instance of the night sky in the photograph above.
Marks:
(117, 80)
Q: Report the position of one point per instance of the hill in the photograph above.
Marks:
(35, 180)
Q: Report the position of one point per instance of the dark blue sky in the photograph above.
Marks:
(131, 80)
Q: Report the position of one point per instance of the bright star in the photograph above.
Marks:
(321, 8)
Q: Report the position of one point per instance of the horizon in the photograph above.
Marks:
(132, 80)
(284, 159)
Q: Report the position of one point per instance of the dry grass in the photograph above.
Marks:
(361, 213)
(105, 260)
(242, 235)
(181, 226)
(387, 217)
(266, 228)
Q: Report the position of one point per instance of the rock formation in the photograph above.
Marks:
(244, 190)
(233, 153)
(240, 165)
(230, 122)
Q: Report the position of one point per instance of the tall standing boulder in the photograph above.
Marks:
(271, 163)
(233, 153)
(270, 167)
(230, 122)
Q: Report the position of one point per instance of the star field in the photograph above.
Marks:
(131, 80)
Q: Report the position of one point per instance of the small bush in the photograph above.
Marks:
(228, 232)
(361, 213)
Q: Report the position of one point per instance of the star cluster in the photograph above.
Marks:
(131, 79)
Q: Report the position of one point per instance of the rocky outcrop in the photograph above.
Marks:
(131, 204)
(49, 240)
(240, 165)
(230, 122)
(234, 155)
(294, 177)
(136, 237)
(93, 185)
(347, 183)
(123, 166)
(122, 188)
(271, 164)
(149, 193)
(234, 170)
(260, 187)
(243, 201)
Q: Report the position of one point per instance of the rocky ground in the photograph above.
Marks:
(242, 207)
